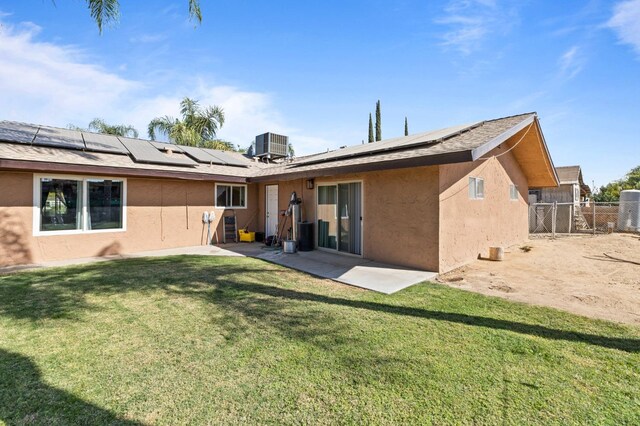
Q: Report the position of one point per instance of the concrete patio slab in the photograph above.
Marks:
(350, 270)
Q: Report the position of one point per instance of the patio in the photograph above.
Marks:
(351, 270)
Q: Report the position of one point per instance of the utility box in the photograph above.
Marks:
(271, 145)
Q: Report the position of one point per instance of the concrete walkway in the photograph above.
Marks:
(350, 270)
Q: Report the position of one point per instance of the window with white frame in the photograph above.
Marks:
(513, 192)
(78, 204)
(476, 188)
(231, 196)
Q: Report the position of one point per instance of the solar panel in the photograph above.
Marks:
(165, 146)
(228, 158)
(388, 144)
(59, 138)
(10, 131)
(103, 143)
(201, 156)
(144, 152)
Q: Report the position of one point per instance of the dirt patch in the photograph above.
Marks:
(595, 276)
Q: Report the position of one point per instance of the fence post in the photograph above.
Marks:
(571, 216)
(554, 215)
(594, 217)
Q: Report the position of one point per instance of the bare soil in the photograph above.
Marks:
(594, 276)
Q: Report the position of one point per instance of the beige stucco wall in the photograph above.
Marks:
(416, 217)
(399, 217)
(285, 188)
(160, 214)
(469, 227)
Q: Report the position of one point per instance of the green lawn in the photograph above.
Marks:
(193, 340)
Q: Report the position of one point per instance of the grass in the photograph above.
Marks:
(198, 340)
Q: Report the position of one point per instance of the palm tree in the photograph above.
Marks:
(106, 12)
(198, 126)
(98, 125)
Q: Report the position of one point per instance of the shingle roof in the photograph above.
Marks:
(453, 144)
(572, 174)
(462, 141)
(568, 174)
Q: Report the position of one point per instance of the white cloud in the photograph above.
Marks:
(470, 22)
(54, 84)
(626, 23)
(47, 82)
(571, 63)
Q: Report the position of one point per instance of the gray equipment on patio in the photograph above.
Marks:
(230, 224)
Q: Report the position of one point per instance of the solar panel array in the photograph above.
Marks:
(228, 158)
(388, 144)
(140, 150)
(17, 132)
(103, 143)
(144, 152)
(166, 146)
(213, 156)
(59, 138)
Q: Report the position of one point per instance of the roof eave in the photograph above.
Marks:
(430, 160)
(483, 149)
(80, 169)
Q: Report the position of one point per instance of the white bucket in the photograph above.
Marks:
(289, 246)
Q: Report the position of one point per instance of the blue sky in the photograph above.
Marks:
(314, 70)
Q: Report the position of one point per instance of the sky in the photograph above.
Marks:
(314, 70)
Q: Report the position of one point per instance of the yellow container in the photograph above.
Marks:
(247, 237)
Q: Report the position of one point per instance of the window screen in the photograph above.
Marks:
(60, 204)
(104, 204)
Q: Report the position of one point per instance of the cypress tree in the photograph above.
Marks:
(378, 122)
(406, 127)
(370, 129)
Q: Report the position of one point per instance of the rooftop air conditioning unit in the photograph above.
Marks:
(270, 145)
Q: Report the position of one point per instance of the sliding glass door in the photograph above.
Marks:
(340, 217)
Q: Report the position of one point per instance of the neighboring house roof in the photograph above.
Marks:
(85, 152)
(571, 175)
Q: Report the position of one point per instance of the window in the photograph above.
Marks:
(60, 204)
(231, 196)
(476, 188)
(75, 204)
(513, 192)
(104, 204)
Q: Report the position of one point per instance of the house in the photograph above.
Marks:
(570, 197)
(433, 201)
(572, 188)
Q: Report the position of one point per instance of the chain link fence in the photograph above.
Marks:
(586, 217)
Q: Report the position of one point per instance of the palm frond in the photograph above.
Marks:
(77, 128)
(163, 125)
(105, 12)
(100, 126)
(194, 10)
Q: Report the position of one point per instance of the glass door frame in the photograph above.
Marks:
(362, 216)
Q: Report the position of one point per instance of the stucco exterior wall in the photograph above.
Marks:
(285, 188)
(399, 217)
(468, 227)
(161, 213)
